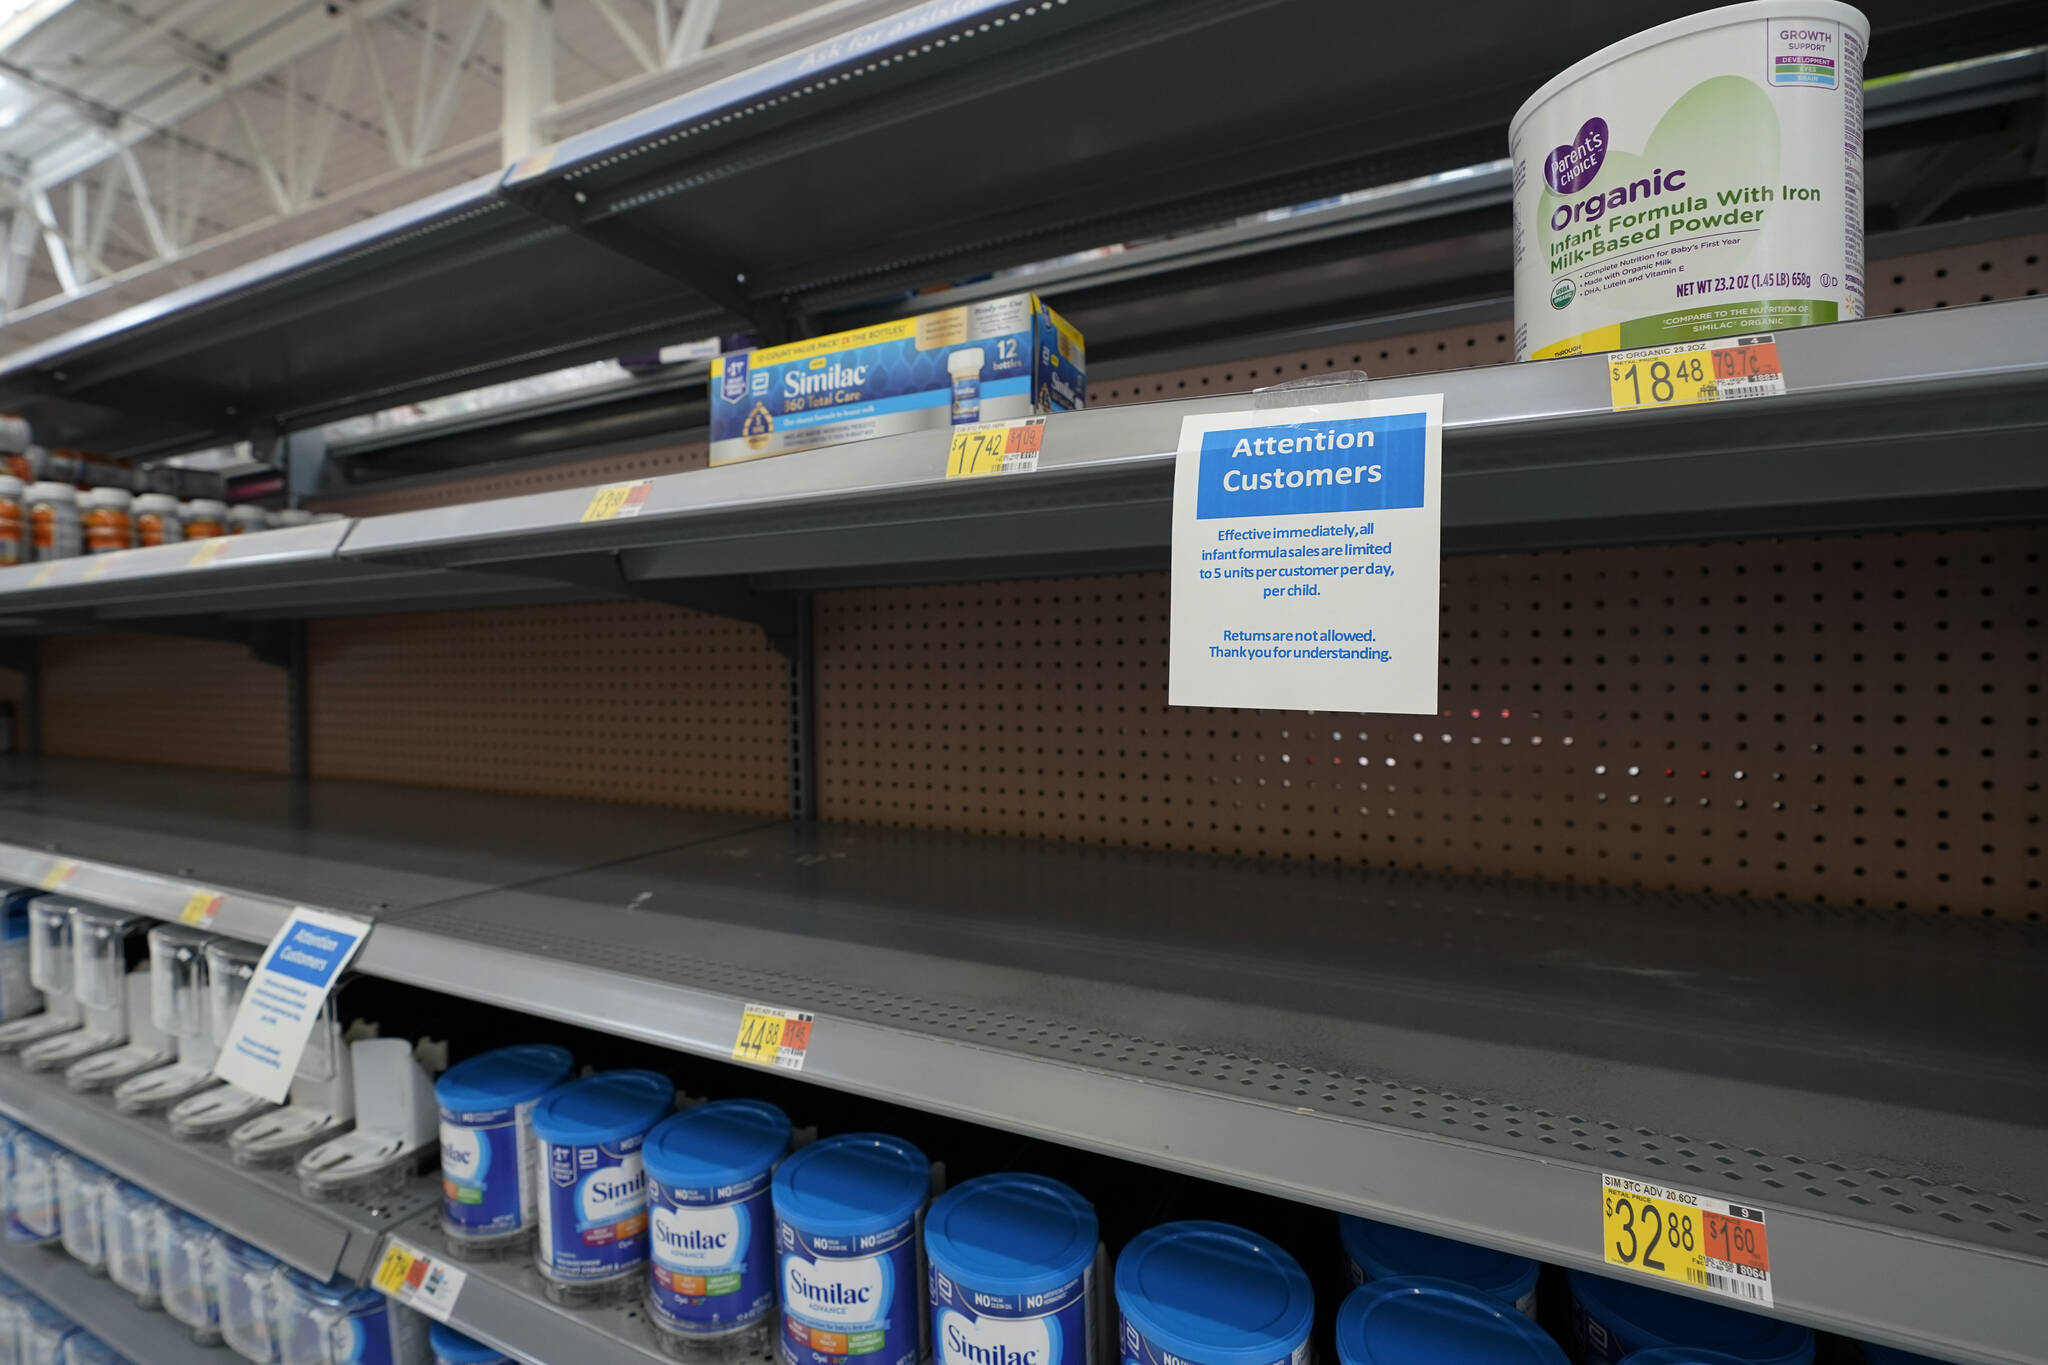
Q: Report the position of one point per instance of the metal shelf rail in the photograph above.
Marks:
(1916, 420)
(1876, 1081)
(140, 1335)
(264, 1208)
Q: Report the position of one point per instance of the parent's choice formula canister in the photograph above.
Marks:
(1380, 1251)
(1012, 1262)
(847, 1211)
(490, 1179)
(1421, 1320)
(1613, 1319)
(1701, 179)
(592, 1246)
(1202, 1293)
(711, 1228)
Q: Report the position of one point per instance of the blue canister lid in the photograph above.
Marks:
(852, 1184)
(1686, 1355)
(1640, 1317)
(1214, 1294)
(721, 1143)
(1421, 1320)
(1011, 1234)
(334, 1294)
(504, 1076)
(607, 1107)
(1384, 1251)
(453, 1348)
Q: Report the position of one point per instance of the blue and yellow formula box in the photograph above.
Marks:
(1007, 357)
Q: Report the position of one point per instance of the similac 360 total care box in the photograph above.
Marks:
(1007, 357)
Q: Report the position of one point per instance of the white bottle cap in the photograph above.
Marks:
(107, 497)
(51, 492)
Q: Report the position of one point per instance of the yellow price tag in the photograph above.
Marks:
(419, 1281)
(1690, 1239)
(1709, 372)
(1010, 447)
(772, 1036)
(59, 873)
(393, 1269)
(42, 576)
(95, 568)
(618, 500)
(200, 908)
(207, 551)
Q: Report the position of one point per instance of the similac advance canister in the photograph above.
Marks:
(711, 1228)
(1379, 1251)
(1012, 1273)
(847, 1211)
(1202, 1293)
(1703, 178)
(489, 1179)
(1613, 1319)
(592, 1246)
(1420, 1320)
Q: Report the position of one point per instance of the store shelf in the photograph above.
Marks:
(291, 572)
(1918, 419)
(1462, 1056)
(700, 214)
(502, 1304)
(109, 1312)
(261, 1207)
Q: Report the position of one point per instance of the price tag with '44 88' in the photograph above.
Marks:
(1691, 1239)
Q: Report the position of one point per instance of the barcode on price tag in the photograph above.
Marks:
(417, 1280)
(1717, 371)
(772, 1036)
(1687, 1238)
(1011, 447)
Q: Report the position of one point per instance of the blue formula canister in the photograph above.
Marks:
(1202, 1293)
(846, 1233)
(711, 1229)
(592, 1246)
(1612, 1319)
(1012, 1273)
(1419, 1320)
(1379, 1251)
(489, 1176)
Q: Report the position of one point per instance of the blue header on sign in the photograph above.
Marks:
(311, 954)
(1365, 464)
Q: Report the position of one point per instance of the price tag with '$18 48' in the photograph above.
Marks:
(1717, 371)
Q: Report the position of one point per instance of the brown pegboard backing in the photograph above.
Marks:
(1851, 720)
(633, 702)
(2009, 268)
(155, 699)
(638, 464)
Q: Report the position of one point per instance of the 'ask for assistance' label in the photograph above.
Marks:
(1306, 549)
